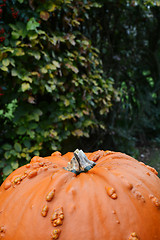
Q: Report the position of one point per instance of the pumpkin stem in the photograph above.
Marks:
(79, 163)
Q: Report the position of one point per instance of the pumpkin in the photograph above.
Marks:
(101, 195)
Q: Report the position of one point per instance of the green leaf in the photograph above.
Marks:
(72, 67)
(88, 123)
(78, 133)
(44, 15)
(27, 78)
(1, 113)
(33, 125)
(25, 87)
(51, 67)
(6, 42)
(36, 153)
(27, 143)
(17, 147)
(7, 170)
(23, 155)
(4, 68)
(19, 30)
(51, 7)
(19, 52)
(38, 112)
(44, 70)
(13, 152)
(21, 130)
(14, 72)
(31, 133)
(2, 164)
(7, 146)
(7, 155)
(5, 62)
(15, 35)
(14, 165)
(8, 49)
(37, 55)
(56, 64)
(21, 1)
(32, 35)
(12, 62)
(66, 102)
(32, 24)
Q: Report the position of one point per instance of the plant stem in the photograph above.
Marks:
(79, 163)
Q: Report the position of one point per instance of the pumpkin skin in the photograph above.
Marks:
(118, 199)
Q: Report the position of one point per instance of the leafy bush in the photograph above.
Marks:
(52, 82)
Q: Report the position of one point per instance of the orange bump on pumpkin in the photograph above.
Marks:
(152, 169)
(55, 234)
(50, 195)
(57, 217)
(44, 210)
(57, 222)
(155, 200)
(7, 184)
(133, 236)
(28, 165)
(17, 180)
(32, 173)
(57, 153)
(81, 188)
(111, 192)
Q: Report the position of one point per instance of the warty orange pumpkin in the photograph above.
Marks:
(101, 195)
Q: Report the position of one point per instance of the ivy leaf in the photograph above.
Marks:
(15, 35)
(17, 147)
(7, 146)
(72, 67)
(27, 143)
(12, 62)
(2, 164)
(5, 62)
(25, 87)
(19, 52)
(37, 55)
(55, 63)
(32, 24)
(31, 133)
(51, 7)
(4, 68)
(14, 165)
(19, 30)
(27, 79)
(14, 72)
(66, 102)
(43, 70)
(38, 112)
(7, 155)
(32, 35)
(6, 42)
(21, 130)
(78, 133)
(44, 15)
(7, 170)
(33, 125)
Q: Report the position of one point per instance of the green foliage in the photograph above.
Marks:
(128, 38)
(53, 85)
